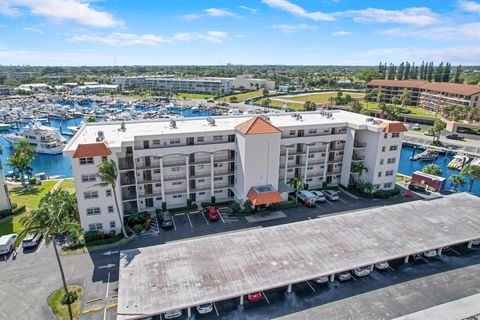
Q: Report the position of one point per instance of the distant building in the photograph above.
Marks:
(248, 82)
(7, 90)
(34, 87)
(433, 96)
(19, 74)
(96, 88)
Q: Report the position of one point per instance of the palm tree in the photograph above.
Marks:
(383, 108)
(433, 169)
(405, 98)
(359, 167)
(437, 129)
(108, 174)
(357, 107)
(57, 214)
(22, 155)
(457, 180)
(395, 100)
(473, 173)
(298, 184)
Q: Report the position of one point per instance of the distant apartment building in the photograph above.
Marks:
(34, 87)
(250, 83)
(19, 74)
(163, 163)
(6, 90)
(95, 88)
(433, 96)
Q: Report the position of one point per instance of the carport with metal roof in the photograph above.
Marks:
(184, 274)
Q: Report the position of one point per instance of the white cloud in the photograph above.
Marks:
(288, 28)
(191, 17)
(298, 11)
(129, 39)
(21, 56)
(215, 12)
(462, 31)
(463, 55)
(61, 10)
(470, 6)
(341, 33)
(411, 16)
(251, 10)
(31, 29)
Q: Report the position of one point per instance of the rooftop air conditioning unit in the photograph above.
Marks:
(173, 124)
(100, 136)
(122, 126)
(369, 119)
(211, 121)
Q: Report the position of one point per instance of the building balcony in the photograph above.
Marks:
(129, 196)
(175, 177)
(124, 181)
(153, 165)
(201, 161)
(224, 159)
(144, 181)
(359, 145)
(223, 186)
(356, 157)
(175, 191)
(201, 188)
(125, 163)
(174, 163)
(201, 175)
(334, 172)
(150, 195)
(223, 172)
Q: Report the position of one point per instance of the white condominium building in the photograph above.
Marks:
(95, 88)
(196, 85)
(163, 163)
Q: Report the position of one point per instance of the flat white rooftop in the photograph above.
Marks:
(199, 125)
(184, 274)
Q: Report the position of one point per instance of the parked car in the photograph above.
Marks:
(31, 240)
(430, 253)
(330, 195)
(382, 265)
(362, 272)
(344, 276)
(319, 194)
(167, 221)
(429, 132)
(211, 213)
(321, 280)
(172, 314)
(455, 136)
(417, 256)
(416, 127)
(254, 296)
(205, 308)
(476, 242)
(210, 100)
(7, 243)
(308, 198)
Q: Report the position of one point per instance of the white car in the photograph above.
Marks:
(319, 194)
(7, 243)
(476, 242)
(382, 265)
(321, 280)
(344, 276)
(430, 253)
(172, 314)
(330, 195)
(362, 272)
(205, 308)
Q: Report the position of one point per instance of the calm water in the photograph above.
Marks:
(54, 165)
(408, 167)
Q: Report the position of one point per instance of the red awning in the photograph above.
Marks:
(261, 198)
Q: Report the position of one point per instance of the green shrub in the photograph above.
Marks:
(91, 236)
(70, 298)
(14, 205)
(137, 228)
(19, 210)
(32, 181)
(189, 202)
(385, 194)
(5, 213)
(235, 207)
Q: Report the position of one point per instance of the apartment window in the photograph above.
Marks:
(389, 173)
(201, 180)
(387, 185)
(396, 135)
(104, 158)
(218, 191)
(175, 141)
(158, 198)
(292, 132)
(201, 193)
(156, 171)
(290, 157)
(156, 142)
(90, 195)
(84, 161)
(175, 169)
(218, 165)
(379, 174)
(177, 183)
(110, 209)
(93, 211)
(158, 185)
(290, 170)
(112, 224)
(217, 138)
(383, 149)
(377, 186)
(310, 168)
(312, 131)
(201, 166)
(108, 192)
(95, 227)
(311, 156)
(200, 139)
(391, 160)
(217, 178)
(385, 135)
(382, 161)
(89, 177)
(175, 196)
(393, 148)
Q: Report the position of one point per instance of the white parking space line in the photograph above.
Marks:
(329, 202)
(354, 278)
(189, 220)
(39, 246)
(341, 200)
(455, 251)
(425, 260)
(204, 218)
(108, 285)
(308, 282)
(221, 217)
(174, 224)
(216, 310)
(391, 268)
(105, 313)
(265, 296)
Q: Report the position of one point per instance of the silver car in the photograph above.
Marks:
(205, 308)
(362, 272)
(319, 194)
(321, 280)
(430, 253)
(382, 265)
(330, 195)
(31, 240)
(344, 276)
(172, 314)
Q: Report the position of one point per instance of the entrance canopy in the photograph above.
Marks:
(261, 195)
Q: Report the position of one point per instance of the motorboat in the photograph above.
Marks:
(475, 162)
(458, 162)
(44, 139)
(427, 155)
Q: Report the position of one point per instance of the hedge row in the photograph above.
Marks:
(14, 211)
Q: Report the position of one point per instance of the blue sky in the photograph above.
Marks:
(166, 32)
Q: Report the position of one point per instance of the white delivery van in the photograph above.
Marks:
(6, 243)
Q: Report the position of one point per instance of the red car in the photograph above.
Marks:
(211, 213)
(254, 296)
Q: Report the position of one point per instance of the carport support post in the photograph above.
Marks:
(439, 252)
(470, 244)
(332, 277)
(241, 300)
(406, 259)
(289, 288)
(189, 312)
(371, 267)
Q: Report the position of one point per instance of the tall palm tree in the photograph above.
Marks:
(457, 180)
(437, 129)
(432, 169)
(57, 214)
(473, 173)
(22, 155)
(298, 184)
(359, 167)
(108, 175)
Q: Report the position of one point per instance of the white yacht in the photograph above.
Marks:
(459, 162)
(44, 139)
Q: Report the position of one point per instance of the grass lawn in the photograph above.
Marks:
(68, 185)
(194, 96)
(280, 104)
(244, 96)
(27, 197)
(413, 110)
(322, 97)
(60, 309)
